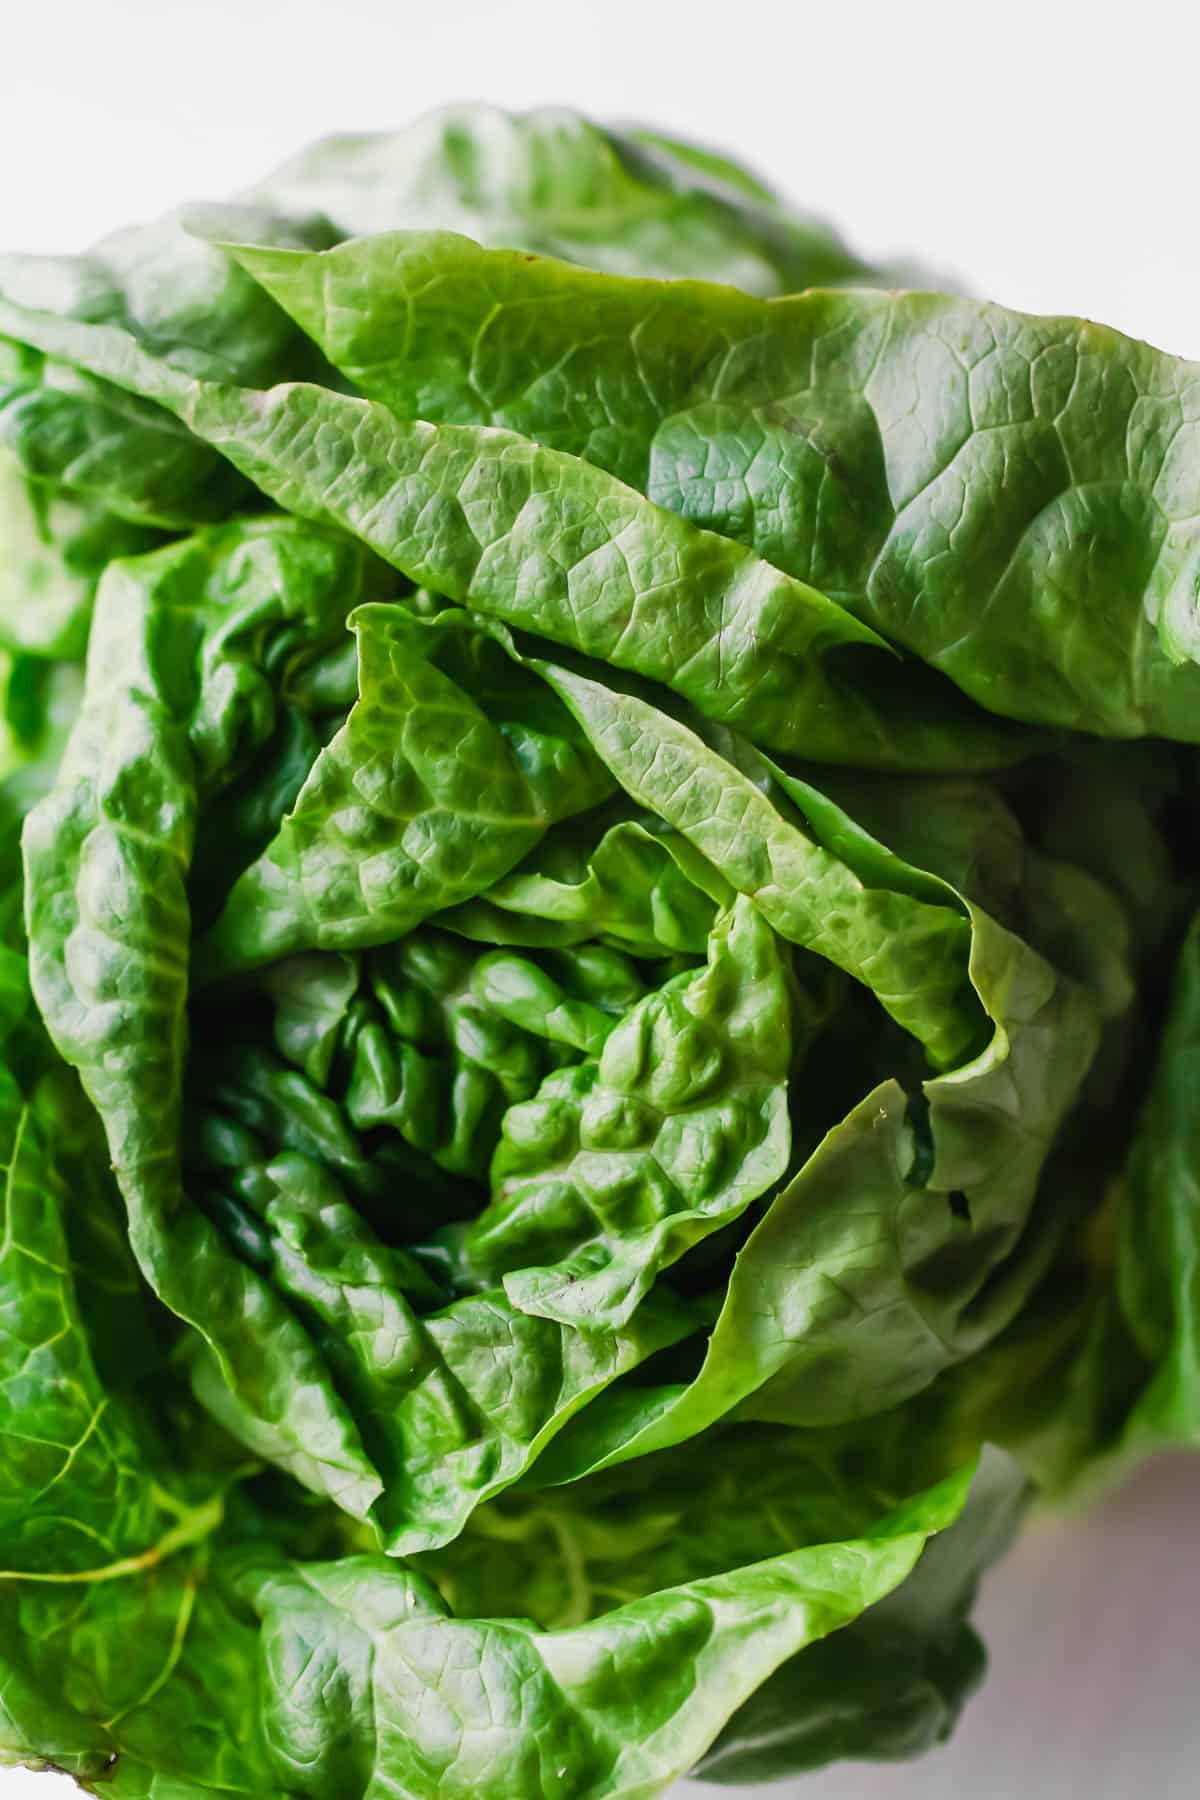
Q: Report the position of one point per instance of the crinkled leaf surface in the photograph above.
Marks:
(1011, 497)
(554, 545)
(106, 856)
(569, 958)
(431, 790)
(618, 1165)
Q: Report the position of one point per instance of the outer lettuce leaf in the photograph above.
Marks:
(104, 1528)
(892, 1684)
(62, 1432)
(629, 201)
(552, 544)
(1013, 498)
(55, 548)
(1158, 1270)
(180, 296)
(106, 857)
(104, 1523)
(624, 1704)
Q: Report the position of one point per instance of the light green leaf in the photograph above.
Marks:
(911, 952)
(549, 180)
(429, 792)
(620, 1165)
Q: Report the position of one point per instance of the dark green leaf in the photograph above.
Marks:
(1013, 498)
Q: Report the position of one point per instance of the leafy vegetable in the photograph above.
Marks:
(552, 544)
(586, 1018)
(1011, 498)
(892, 1683)
(685, 1102)
(633, 202)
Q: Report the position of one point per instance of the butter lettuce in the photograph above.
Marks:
(597, 1012)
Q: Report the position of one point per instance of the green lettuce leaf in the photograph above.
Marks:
(1010, 497)
(619, 1165)
(455, 1405)
(1158, 1279)
(631, 201)
(180, 296)
(891, 1684)
(629, 881)
(429, 792)
(165, 1634)
(552, 544)
(176, 697)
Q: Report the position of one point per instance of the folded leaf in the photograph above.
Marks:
(455, 1405)
(174, 701)
(619, 1165)
(549, 180)
(892, 1683)
(912, 953)
(632, 882)
(1011, 497)
(1160, 1224)
(426, 795)
(551, 544)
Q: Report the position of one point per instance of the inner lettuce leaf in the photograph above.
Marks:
(619, 1164)
(440, 780)
(121, 1531)
(596, 1004)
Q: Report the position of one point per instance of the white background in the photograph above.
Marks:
(1048, 158)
